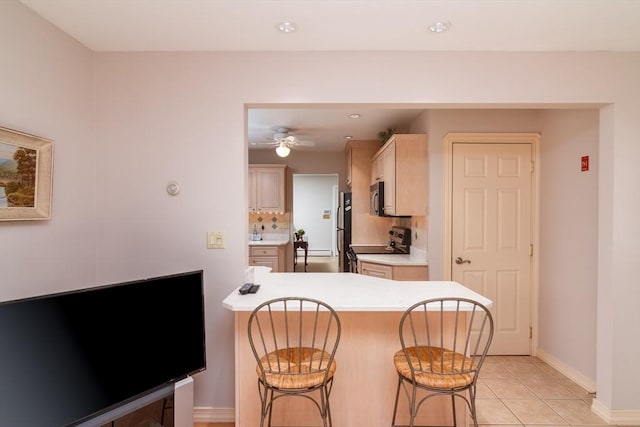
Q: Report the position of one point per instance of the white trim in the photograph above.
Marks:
(617, 417)
(207, 414)
(566, 370)
(495, 138)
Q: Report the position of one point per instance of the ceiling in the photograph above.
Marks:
(344, 25)
(326, 127)
(252, 25)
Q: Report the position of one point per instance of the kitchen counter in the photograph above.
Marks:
(347, 291)
(268, 242)
(392, 259)
(369, 310)
(270, 239)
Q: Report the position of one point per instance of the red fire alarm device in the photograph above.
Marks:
(584, 163)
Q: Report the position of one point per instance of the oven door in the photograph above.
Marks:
(376, 199)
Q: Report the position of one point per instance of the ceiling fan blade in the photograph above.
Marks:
(265, 143)
(305, 143)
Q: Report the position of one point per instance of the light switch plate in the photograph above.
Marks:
(215, 240)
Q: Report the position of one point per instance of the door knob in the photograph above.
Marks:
(462, 261)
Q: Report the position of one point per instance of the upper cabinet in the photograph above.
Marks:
(266, 188)
(358, 158)
(402, 165)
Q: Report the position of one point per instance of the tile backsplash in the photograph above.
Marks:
(272, 222)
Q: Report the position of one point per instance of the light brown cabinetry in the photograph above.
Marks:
(383, 164)
(393, 272)
(364, 228)
(266, 188)
(268, 256)
(402, 165)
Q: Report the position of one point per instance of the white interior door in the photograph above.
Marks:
(491, 234)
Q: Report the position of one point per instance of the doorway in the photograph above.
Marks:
(314, 210)
(490, 204)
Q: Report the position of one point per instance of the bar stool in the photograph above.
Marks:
(444, 342)
(294, 341)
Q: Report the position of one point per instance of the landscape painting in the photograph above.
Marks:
(25, 176)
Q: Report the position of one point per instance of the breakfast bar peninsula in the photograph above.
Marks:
(365, 381)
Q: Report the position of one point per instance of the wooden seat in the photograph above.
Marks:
(294, 341)
(443, 344)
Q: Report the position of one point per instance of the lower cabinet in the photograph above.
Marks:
(268, 256)
(393, 272)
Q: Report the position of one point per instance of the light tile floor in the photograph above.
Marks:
(523, 391)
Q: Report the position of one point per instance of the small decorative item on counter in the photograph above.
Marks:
(255, 235)
(299, 233)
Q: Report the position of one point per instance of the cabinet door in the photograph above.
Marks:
(261, 251)
(376, 270)
(410, 273)
(388, 164)
(266, 188)
(410, 174)
(271, 262)
(270, 190)
(253, 203)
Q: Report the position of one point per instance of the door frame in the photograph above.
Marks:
(495, 138)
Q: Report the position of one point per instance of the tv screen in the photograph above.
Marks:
(67, 357)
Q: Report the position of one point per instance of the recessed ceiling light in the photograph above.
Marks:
(440, 26)
(348, 137)
(354, 116)
(288, 27)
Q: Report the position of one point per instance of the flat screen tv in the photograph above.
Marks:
(67, 357)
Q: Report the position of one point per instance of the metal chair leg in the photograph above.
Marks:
(395, 406)
(453, 406)
(472, 398)
(412, 405)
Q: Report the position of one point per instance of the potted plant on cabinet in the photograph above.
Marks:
(299, 233)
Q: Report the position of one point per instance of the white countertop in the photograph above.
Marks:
(270, 239)
(348, 291)
(392, 259)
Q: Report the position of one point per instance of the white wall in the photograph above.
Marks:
(568, 252)
(46, 89)
(172, 116)
(312, 195)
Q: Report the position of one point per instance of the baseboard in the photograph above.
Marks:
(566, 370)
(319, 252)
(616, 417)
(213, 415)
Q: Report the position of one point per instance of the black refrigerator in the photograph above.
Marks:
(343, 230)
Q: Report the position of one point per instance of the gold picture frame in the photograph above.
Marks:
(26, 174)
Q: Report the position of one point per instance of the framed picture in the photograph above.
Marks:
(26, 169)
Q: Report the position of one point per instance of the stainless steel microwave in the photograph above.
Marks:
(376, 199)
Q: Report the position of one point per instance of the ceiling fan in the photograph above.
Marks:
(284, 141)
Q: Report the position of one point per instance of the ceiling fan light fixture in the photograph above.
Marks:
(282, 150)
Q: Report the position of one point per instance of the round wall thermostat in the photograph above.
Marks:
(173, 188)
